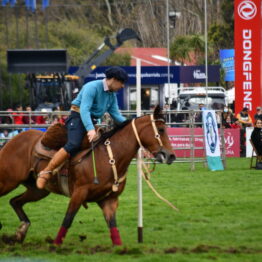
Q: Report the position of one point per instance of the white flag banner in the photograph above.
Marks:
(212, 141)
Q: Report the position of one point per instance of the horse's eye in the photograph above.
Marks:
(161, 130)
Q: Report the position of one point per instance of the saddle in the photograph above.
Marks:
(53, 139)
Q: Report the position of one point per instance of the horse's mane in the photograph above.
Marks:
(110, 133)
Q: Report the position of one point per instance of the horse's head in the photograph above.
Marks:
(153, 136)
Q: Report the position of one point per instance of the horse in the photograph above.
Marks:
(114, 152)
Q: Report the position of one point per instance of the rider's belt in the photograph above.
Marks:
(75, 108)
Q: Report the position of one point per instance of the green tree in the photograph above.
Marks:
(184, 46)
(221, 36)
(180, 49)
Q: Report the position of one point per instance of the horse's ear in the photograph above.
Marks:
(158, 113)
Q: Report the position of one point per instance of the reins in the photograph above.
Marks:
(146, 173)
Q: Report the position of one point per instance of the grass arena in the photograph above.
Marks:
(219, 220)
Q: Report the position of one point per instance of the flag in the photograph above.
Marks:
(212, 141)
(32, 5)
(27, 4)
(12, 3)
(45, 4)
(5, 2)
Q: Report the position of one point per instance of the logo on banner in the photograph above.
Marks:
(211, 134)
(247, 10)
(197, 74)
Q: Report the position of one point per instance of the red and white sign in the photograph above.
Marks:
(248, 61)
(180, 140)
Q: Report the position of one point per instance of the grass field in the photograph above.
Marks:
(219, 220)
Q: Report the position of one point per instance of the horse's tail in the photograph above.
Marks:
(1, 226)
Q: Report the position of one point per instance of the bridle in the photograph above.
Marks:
(112, 161)
(156, 134)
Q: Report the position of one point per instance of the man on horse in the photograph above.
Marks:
(94, 100)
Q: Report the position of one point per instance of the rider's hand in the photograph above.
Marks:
(91, 134)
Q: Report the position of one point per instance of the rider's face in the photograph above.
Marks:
(114, 85)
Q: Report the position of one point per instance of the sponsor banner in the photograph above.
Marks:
(180, 140)
(227, 63)
(212, 141)
(247, 37)
(197, 74)
(157, 75)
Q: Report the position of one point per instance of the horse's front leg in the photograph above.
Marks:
(109, 207)
(78, 197)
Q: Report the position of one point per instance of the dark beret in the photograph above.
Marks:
(117, 73)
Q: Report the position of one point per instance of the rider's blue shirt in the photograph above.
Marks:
(94, 101)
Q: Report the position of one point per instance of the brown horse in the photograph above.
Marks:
(18, 165)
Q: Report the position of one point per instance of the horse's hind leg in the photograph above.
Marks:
(30, 195)
(109, 207)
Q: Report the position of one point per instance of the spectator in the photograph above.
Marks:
(6, 135)
(58, 117)
(29, 118)
(180, 118)
(8, 118)
(228, 122)
(258, 114)
(18, 116)
(245, 121)
(43, 118)
(198, 116)
(231, 122)
(256, 136)
(244, 118)
(226, 112)
(235, 123)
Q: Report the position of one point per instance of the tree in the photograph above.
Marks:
(180, 48)
(188, 47)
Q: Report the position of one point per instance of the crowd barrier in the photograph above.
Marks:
(186, 136)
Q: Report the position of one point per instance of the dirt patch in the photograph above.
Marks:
(131, 251)
(82, 238)
(49, 240)
(206, 249)
(98, 248)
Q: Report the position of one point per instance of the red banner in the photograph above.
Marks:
(181, 141)
(248, 62)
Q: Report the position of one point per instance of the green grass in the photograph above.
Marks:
(219, 220)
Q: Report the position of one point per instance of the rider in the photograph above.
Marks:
(94, 100)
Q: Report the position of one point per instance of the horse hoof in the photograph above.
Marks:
(9, 239)
(19, 237)
(57, 244)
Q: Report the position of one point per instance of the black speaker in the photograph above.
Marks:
(37, 61)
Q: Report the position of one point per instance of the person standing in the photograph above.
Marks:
(256, 136)
(258, 114)
(18, 116)
(28, 118)
(93, 101)
(245, 120)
